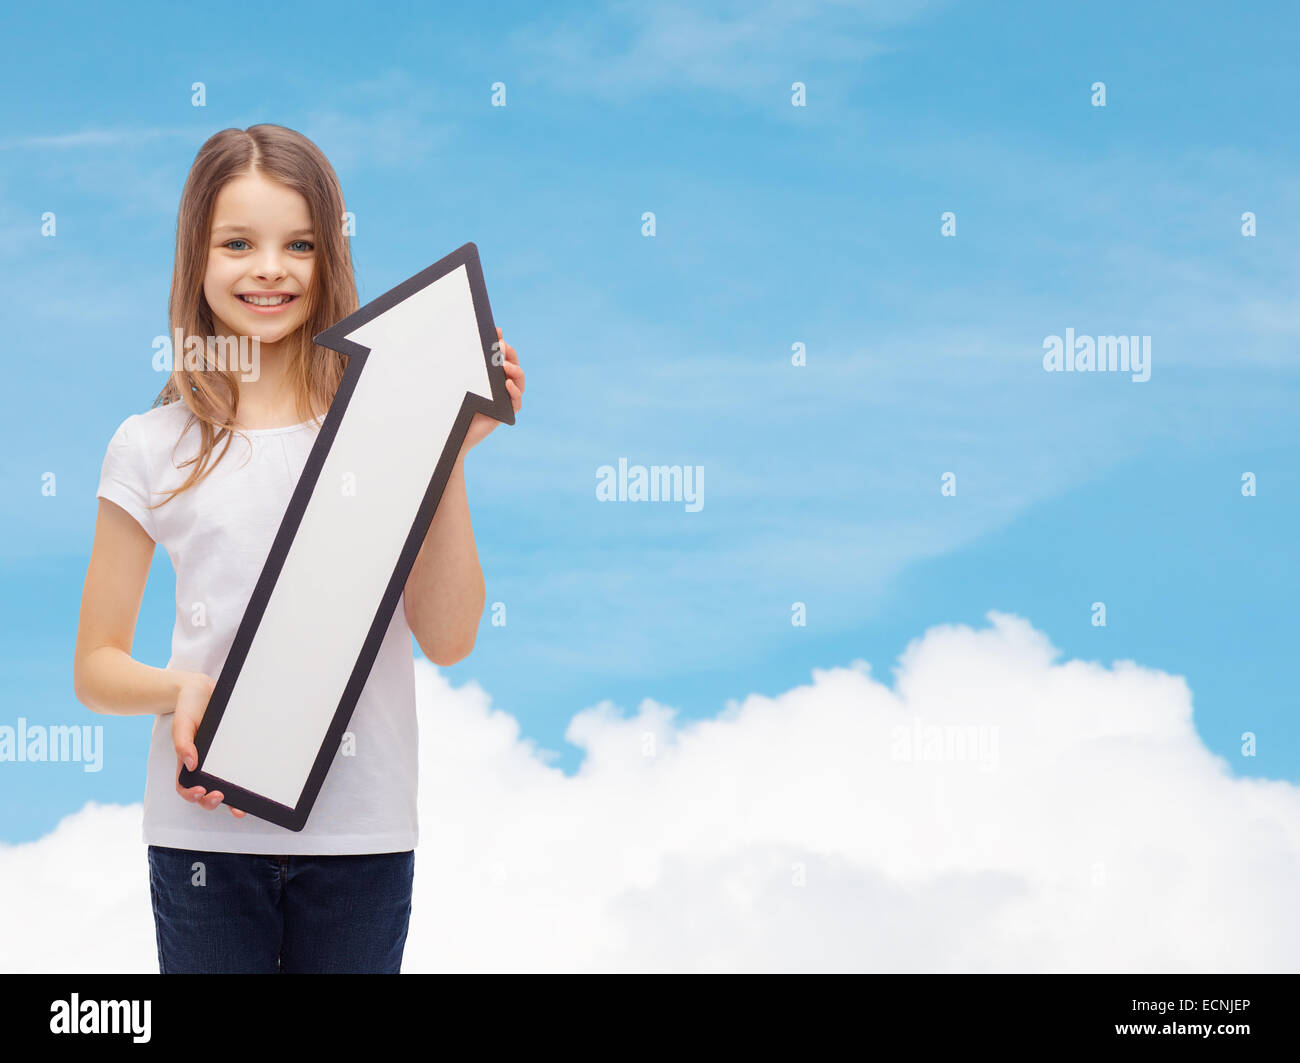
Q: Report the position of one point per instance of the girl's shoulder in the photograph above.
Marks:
(143, 440)
(168, 413)
(157, 426)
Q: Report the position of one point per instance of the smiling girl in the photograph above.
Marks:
(208, 472)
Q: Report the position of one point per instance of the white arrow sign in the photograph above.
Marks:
(421, 364)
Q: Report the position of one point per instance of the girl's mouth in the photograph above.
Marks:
(268, 303)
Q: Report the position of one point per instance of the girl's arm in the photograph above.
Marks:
(104, 675)
(444, 593)
(105, 678)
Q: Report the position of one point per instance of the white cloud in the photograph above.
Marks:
(95, 138)
(1101, 836)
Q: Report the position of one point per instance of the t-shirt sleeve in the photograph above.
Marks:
(124, 477)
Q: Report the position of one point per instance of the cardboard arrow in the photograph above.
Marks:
(421, 363)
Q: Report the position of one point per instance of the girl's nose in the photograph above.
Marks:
(269, 269)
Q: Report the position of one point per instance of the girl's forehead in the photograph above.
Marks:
(252, 198)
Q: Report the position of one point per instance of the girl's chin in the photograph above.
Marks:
(270, 331)
(269, 339)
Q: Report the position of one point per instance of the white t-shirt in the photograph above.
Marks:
(218, 535)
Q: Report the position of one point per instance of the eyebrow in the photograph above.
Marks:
(230, 227)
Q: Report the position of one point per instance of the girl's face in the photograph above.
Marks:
(259, 259)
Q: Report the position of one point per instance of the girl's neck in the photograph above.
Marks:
(268, 401)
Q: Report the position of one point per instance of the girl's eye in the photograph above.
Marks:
(306, 245)
(236, 241)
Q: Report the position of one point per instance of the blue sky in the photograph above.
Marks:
(775, 225)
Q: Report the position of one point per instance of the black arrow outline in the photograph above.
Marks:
(501, 408)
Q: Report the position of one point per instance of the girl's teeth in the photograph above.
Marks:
(265, 300)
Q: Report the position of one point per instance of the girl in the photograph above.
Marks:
(208, 472)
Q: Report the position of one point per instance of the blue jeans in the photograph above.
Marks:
(243, 913)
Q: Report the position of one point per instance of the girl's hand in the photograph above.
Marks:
(191, 704)
(482, 424)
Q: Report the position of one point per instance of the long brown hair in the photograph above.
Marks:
(314, 372)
